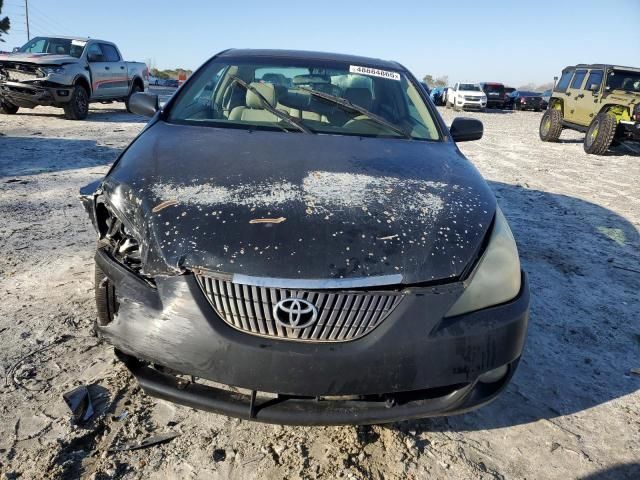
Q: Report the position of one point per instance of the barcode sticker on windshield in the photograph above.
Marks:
(78, 43)
(374, 72)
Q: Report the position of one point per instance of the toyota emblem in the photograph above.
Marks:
(295, 313)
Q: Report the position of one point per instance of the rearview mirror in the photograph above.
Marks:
(145, 104)
(466, 129)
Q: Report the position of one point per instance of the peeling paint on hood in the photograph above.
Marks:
(354, 207)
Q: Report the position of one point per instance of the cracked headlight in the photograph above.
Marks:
(496, 278)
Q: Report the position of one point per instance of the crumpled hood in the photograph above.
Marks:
(297, 206)
(38, 58)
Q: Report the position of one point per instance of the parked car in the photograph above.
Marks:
(507, 91)
(69, 73)
(494, 92)
(154, 80)
(546, 96)
(289, 242)
(437, 95)
(466, 96)
(601, 100)
(172, 83)
(522, 100)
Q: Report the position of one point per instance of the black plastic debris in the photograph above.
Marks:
(79, 402)
(147, 442)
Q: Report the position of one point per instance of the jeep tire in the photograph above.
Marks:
(8, 108)
(551, 126)
(600, 134)
(78, 106)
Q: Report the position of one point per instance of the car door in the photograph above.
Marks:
(588, 98)
(574, 94)
(117, 75)
(99, 74)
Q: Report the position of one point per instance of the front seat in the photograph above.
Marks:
(254, 111)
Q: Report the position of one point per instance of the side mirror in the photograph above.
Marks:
(594, 87)
(145, 104)
(16, 49)
(466, 129)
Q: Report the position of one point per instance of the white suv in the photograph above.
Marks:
(466, 95)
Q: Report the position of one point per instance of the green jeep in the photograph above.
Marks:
(601, 100)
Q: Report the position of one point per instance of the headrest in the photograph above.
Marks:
(266, 90)
(359, 96)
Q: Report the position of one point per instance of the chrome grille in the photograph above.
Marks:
(21, 76)
(342, 315)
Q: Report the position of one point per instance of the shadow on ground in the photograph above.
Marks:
(33, 155)
(583, 263)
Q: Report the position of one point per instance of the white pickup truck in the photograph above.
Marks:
(69, 73)
(466, 96)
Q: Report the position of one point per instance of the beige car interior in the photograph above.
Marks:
(288, 95)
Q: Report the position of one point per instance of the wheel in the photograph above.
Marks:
(78, 106)
(514, 107)
(106, 299)
(8, 108)
(600, 134)
(551, 126)
(135, 89)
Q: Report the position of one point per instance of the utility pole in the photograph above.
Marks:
(26, 14)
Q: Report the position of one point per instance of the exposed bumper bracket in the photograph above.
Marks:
(288, 410)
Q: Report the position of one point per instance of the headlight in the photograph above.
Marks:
(496, 279)
(51, 70)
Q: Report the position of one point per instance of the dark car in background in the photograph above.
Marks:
(546, 96)
(494, 92)
(438, 96)
(522, 100)
(507, 91)
(319, 253)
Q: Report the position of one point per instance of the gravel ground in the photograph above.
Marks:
(572, 411)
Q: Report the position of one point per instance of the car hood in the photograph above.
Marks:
(37, 58)
(296, 206)
(471, 93)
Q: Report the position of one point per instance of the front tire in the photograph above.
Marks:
(600, 134)
(106, 298)
(551, 126)
(8, 108)
(78, 106)
(134, 89)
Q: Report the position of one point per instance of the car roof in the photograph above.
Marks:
(310, 55)
(602, 65)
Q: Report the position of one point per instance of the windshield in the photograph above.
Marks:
(623, 80)
(529, 94)
(54, 46)
(308, 96)
(469, 87)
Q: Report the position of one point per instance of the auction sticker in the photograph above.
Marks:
(374, 72)
(78, 43)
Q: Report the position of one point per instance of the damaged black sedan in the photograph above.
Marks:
(295, 238)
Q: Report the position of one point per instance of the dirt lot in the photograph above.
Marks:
(572, 411)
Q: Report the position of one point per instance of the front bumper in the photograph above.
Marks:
(415, 364)
(471, 104)
(29, 95)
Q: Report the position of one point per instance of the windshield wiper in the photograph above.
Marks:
(267, 106)
(347, 105)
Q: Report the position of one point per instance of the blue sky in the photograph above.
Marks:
(514, 42)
